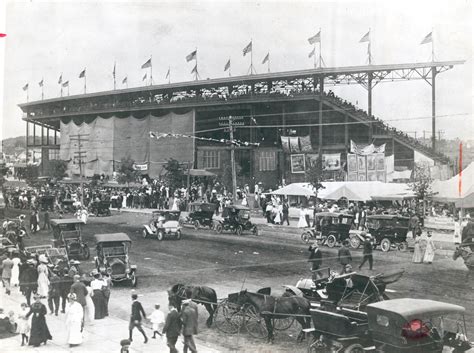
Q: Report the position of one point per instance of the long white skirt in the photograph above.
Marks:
(74, 333)
(90, 310)
(43, 284)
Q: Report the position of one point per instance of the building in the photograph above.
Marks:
(281, 121)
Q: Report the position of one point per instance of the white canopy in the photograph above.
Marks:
(448, 190)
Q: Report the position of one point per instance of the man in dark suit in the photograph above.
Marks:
(172, 328)
(136, 318)
(367, 252)
(189, 320)
(316, 259)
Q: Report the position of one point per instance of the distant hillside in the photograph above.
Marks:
(14, 145)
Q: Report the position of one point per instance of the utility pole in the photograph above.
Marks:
(230, 122)
(79, 155)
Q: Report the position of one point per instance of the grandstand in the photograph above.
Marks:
(292, 104)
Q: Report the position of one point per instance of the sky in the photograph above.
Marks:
(45, 39)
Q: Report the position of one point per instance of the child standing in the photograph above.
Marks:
(157, 318)
(23, 323)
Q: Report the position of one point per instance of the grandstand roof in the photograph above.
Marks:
(235, 80)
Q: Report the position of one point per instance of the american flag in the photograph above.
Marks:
(248, 48)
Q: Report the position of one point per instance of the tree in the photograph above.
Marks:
(174, 174)
(126, 172)
(57, 168)
(314, 173)
(422, 182)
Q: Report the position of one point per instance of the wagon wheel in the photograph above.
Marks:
(331, 241)
(385, 244)
(254, 323)
(354, 348)
(283, 323)
(305, 237)
(239, 230)
(219, 228)
(227, 318)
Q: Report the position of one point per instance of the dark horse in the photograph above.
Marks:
(199, 294)
(270, 307)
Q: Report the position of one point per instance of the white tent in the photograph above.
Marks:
(448, 190)
(295, 189)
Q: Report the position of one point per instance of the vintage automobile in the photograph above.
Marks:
(200, 214)
(163, 224)
(398, 325)
(387, 231)
(67, 234)
(112, 257)
(331, 228)
(46, 202)
(236, 219)
(100, 208)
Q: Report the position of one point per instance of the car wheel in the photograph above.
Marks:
(255, 231)
(196, 224)
(385, 245)
(178, 235)
(219, 228)
(144, 233)
(354, 348)
(355, 242)
(403, 246)
(305, 237)
(239, 230)
(160, 235)
(133, 280)
(331, 242)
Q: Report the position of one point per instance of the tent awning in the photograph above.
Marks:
(345, 192)
(201, 173)
(295, 189)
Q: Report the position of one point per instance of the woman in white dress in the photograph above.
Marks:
(15, 278)
(302, 220)
(277, 210)
(43, 280)
(89, 309)
(84, 215)
(74, 317)
(430, 249)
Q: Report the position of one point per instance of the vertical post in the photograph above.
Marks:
(47, 136)
(55, 137)
(151, 70)
(346, 132)
(320, 122)
(34, 138)
(42, 135)
(188, 182)
(27, 139)
(232, 158)
(433, 107)
(369, 104)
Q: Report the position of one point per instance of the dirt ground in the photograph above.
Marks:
(227, 263)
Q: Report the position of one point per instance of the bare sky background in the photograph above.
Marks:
(46, 39)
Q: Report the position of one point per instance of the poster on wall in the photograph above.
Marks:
(362, 177)
(361, 166)
(380, 176)
(351, 163)
(380, 161)
(352, 177)
(332, 161)
(371, 175)
(297, 163)
(371, 162)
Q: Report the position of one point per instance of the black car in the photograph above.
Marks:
(236, 219)
(200, 214)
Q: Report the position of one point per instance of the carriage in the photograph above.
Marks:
(398, 325)
(331, 228)
(236, 219)
(388, 231)
(112, 257)
(100, 208)
(67, 233)
(163, 224)
(200, 214)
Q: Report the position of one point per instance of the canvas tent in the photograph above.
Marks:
(448, 190)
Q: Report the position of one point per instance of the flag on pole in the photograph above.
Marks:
(60, 79)
(144, 78)
(194, 69)
(124, 81)
(247, 49)
(428, 38)
(227, 65)
(25, 87)
(191, 56)
(147, 64)
(315, 39)
(113, 72)
(82, 74)
(168, 73)
(266, 58)
(66, 84)
(311, 54)
(41, 83)
(365, 38)
(460, 170)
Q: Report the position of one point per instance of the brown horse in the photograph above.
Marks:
(466, 254)
(270, 308)
(200, 294)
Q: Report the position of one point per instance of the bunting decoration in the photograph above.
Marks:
(235, 142)
(168, 73)
(65, 84)
(365, 38)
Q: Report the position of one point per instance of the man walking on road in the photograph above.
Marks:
(136, 318)
(367, 252)
(172, 328)
(316, 259)
(344, 255)
(7, 266)
(189, 320)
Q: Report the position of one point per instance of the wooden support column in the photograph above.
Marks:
(47, 135)
(27, 139)
(320, 120)
(346, 133)
(55, 137)
(42, 135)
(433, 107)
(369, 105)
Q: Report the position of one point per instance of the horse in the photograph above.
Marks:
(200, 294)
(468, 257)
(270, 308)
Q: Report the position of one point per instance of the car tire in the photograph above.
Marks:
(239, 230)
(133, 280)
(178, 235)
(305, 237)
(219, 228)
(144, 233)
(196, 224)
(385, 245)
(160, 235)
(331, 241)
(255, 231)
(403, 246)
(354, 348)
(355, 242)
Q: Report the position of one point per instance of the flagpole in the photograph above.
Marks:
(27, 93)
(196, 75)
(269, 61)
(369, 52)
(169, 74)
(85, 81)
(314, 55)
(42, 88)
(115, 83)
(151, 70)
(432, 45)
(320, 49)
(251, 57)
